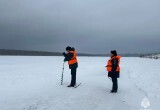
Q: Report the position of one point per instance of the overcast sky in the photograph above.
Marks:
(91, 26)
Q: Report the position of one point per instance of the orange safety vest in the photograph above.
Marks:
(109, 64)
(73, 59)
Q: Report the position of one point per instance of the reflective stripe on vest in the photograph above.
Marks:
(109, 64)
(73, 59)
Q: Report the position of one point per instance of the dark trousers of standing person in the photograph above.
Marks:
(115, 83)
(73, 77)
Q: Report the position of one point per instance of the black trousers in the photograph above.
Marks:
(73, 77)
(115, 83)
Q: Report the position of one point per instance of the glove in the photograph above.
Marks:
(64, 54)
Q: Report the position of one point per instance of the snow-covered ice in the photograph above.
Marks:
(33, 83)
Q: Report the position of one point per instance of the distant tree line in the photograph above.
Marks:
(151, 56)
(43, 53)
(28, 53)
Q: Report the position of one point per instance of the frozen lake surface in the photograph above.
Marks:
(33, 83)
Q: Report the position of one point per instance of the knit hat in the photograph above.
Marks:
(68, 48)
(114, 52)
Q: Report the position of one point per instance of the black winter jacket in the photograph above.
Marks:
(114, 73)
(68, 56)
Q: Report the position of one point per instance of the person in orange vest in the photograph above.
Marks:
(113, 69)
(71, 57)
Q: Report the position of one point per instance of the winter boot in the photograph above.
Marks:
(70, 86)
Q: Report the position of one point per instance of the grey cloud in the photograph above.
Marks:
(92, 26)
